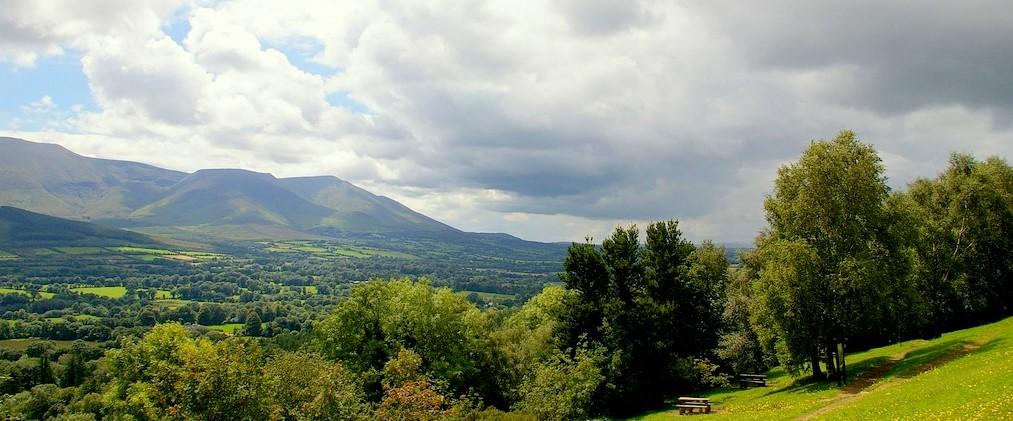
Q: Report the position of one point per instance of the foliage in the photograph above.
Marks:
(648, 308)
(832, 269)
(963, 228)
(379, 319)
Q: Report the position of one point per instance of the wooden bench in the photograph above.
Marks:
(687, 405)
(746, 380)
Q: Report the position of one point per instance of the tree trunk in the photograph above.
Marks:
(814, 360)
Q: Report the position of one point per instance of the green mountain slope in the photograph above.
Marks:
(356, 209)
(49, 179)
(230, 196)
(21, 228)
(52, 180)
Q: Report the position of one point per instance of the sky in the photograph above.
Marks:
(549, 120)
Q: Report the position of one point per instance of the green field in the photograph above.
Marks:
(229, 328)
(42, 294)
(331, 250)
(163, 295)
(142, 250)
(80, 250)
(76, 316)
(171, 304)
(490, 297)
(966, 374)
(109, 292)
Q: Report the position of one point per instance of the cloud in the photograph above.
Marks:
(549, 119)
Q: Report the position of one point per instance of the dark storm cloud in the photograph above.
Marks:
(900, 56)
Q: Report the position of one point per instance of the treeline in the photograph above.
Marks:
(844, 264)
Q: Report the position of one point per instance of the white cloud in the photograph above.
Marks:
(548, 119)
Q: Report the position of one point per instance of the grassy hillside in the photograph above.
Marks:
(50, 179)
(21, 228)
(966, 374)
(220, 197)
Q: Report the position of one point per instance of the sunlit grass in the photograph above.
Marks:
(976, 385)
(108, 292)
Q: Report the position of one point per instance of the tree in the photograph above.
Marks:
(252, 325)
(650, 309)
(963, 228)
(832, 266)
(381, 318)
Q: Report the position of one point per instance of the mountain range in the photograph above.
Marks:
(51, 180)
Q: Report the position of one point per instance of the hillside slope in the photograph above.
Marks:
(966, 374)
(21, 228)
(356, 209)
(52, 180)
(230, 196)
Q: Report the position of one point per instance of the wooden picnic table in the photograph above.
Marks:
(688, 404)
(745, 380)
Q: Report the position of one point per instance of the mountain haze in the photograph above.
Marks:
(52, 180)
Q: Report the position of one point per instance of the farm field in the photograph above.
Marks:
(109, 292)
(23, 344)
(491, 297)
(42, 294)
(963, 374)
(229, 328)
(330, 250)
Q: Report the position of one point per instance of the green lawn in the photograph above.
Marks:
(163, 294)
(109, 292)
(963, 374)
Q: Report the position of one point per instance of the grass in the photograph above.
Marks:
(42, 294)
(80, 250)
(5, 255)
(490, 297)
(23, 344)
(331, 250)
(163, 295)
(229, 328)
(142, 250)
(171, 304)
(108, 292)
(963, 374)
(76, 316)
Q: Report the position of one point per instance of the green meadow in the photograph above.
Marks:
(966, 374)
(108, 292)
(42, 294)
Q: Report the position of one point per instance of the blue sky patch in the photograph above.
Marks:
(59, 77)
(341, 99)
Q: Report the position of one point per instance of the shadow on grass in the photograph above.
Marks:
(912, 361)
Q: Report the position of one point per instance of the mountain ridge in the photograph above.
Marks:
(52, 180)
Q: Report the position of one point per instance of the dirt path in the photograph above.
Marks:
(866, 382)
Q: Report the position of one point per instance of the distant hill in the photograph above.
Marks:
(220, 197)
(21, 228)
(359, 210)
(52, 180)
